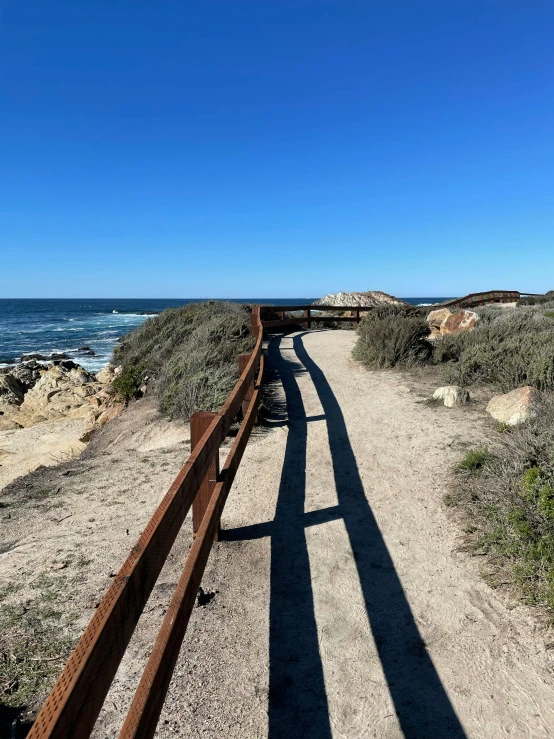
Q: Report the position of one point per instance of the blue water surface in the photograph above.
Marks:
(66, 325)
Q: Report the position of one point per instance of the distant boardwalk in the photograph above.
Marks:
(473, 300)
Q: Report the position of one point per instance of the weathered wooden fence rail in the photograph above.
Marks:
(71, 709)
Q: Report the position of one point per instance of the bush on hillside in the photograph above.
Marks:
(507, 349)
(392, 336)
(191, 352)
(510, 498)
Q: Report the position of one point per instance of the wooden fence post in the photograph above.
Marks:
(356, 317)
(243, 360)
(255, 320)
(307, 314)
(199, 423)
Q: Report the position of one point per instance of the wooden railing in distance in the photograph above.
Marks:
(353, 316)
(474, 300)
(71, 709)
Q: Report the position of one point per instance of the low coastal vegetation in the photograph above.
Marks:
(507, 488)
(506, 349)
(189, 352)
(509, 496)
(393, 336)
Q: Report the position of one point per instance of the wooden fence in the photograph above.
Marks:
(71, 709)
(473, 300)
(349, 314)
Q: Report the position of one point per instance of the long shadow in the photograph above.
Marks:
(420, 700)
(297, 705)
(297, 702)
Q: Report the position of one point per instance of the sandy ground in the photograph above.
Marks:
(345, 606)
(44, 445)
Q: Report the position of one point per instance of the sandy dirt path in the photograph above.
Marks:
(345, 608)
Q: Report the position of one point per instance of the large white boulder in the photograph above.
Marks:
(514, 407)
(443, 322)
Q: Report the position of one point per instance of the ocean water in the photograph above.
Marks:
(29, 326)
(426, 301)
(47, 326)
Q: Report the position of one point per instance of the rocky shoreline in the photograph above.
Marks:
(48, 412)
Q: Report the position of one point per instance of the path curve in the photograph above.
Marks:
(345, 608)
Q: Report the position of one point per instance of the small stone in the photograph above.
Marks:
(452, 395)
(59, 565)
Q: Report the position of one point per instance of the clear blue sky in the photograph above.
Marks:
(275, 148)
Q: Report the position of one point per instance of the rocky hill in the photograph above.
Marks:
(371, 298)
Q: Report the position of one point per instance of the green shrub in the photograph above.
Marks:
(507, 349)
(391, 336)
(127, 383)
(474, 460)
(511, 504)
(191, 352)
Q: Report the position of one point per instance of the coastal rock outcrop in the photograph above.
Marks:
(443, 322)
(107, 374)
(514, 407)
(65, 390)
(371, 299)
(27, 374)
(48, 413)
(11, 392)
(452, 395)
